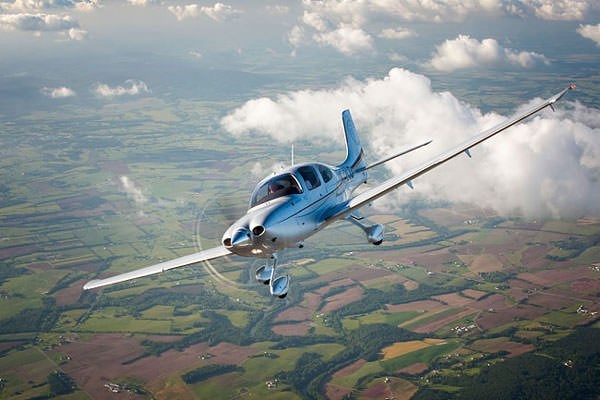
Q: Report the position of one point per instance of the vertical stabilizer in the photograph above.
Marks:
(355, 156)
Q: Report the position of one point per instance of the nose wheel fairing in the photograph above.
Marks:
(278, 286)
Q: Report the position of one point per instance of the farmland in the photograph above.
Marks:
(453, 289)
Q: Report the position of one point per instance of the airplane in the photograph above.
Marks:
(301, 200)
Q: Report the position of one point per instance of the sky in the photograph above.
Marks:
(409, 71)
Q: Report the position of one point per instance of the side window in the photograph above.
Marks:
(310, 177)
(325, 173)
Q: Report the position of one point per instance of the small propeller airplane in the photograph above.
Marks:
(287, 208)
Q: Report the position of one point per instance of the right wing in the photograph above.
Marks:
(395, 182)
(204, 255)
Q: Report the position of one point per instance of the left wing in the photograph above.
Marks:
(393, 183)
(204, 255)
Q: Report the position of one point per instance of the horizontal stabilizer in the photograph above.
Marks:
(394, 156)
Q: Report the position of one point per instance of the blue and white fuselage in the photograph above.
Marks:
(282, 216)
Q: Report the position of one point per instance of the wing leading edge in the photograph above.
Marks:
(204, 255)
(395, 182)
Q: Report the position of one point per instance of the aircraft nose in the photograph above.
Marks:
(241, 237)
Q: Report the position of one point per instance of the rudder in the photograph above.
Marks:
(355, 155)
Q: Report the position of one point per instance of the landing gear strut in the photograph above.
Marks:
(374, 232)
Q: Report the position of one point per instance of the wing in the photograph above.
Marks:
(393, 183)
(204, 255)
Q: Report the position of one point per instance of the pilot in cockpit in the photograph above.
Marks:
(274, 187)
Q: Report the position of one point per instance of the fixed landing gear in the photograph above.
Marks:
(374, 232)
(278, 286)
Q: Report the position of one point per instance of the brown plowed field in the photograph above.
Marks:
(341, 299)
(336, 392)
(550, 300)
(474, 294)
(421, 305)
(298, 329)
(495, 301)
(413, 369)
(494, 346)
(366, 273)
(99, 360)
(294, 314)
(552, 277)
(335, 283)
(586, 287)
(500, 317)
(434, 325)
(350, 368)
(69, 295)
(453, 299)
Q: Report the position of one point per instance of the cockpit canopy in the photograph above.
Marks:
(278, 186)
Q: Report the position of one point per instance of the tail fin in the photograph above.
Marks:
(355, 155)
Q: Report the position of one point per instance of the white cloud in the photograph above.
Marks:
(142, 3)
(183, 12)
(346, 39)
(591, 32)
(42, 5)
(277, 9)
(351, 20)
(546, 166)
(131, 88)
(399, 33)
(77, 34)
(218, 12)
(37, 22)
(467, 52)
(58, 93)
(196, 54)
(525, 59)
(559, 9)
(296, 36)
(322, 18)
(132, 190)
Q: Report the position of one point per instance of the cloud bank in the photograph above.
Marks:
(37, 22)
(547, 166)
(348, 26)
(467, 52)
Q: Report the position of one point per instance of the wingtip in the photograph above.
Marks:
(90, 285)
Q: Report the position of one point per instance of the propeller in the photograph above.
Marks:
(214, 218)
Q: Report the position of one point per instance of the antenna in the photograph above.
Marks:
(292, 153)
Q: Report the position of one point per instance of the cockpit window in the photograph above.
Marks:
(310, 176)
(325, 173)
(281, 185)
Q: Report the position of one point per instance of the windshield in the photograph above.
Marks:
(281, 185)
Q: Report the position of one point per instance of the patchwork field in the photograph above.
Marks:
(443, 282)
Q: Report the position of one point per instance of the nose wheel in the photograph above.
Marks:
(278, 286)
